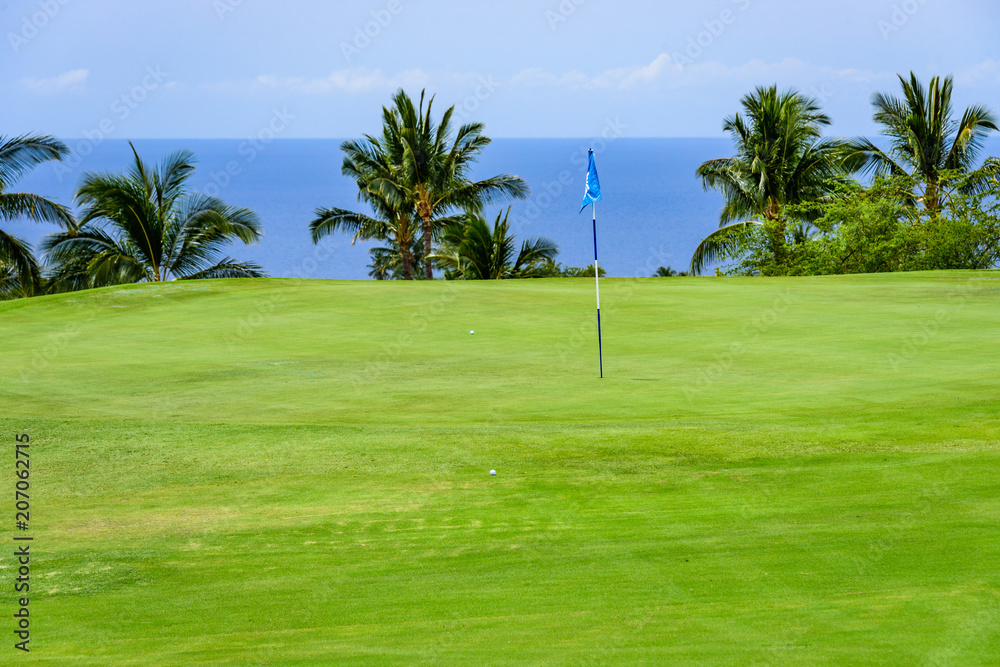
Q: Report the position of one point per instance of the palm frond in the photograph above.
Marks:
(970, 137)
(227, 268)
(35, 208)
(19, 155)
(331, 220)
(718, 244)
(20, 263)
(144, 225)
(535, 254)
(781, 158)
(925, 141)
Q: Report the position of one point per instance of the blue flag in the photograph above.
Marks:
(593, 192)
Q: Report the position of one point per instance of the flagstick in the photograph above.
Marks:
(597, 278)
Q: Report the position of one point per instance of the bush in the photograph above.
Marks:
(873, 229)
(555, 270)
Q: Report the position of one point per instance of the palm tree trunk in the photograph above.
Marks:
(932, 197)
(406, 257)
(428, 248)
(404, 239)
(776, 230)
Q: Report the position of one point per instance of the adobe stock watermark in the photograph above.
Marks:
(929, 330)
(900, 16)
(224, 8)
(894, 534)
(53, 345)
(472, 103)
(263, 309)
(419, 323)
(121, 108)
(365, 35)
(823, 92)
(550, 192)
(713, 30)
(33, 24)
(750, 333)
(249, 150)
(562, 12)
(619, 294)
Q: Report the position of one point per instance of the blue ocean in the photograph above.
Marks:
(654, 210)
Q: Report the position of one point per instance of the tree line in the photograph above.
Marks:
(794, 204)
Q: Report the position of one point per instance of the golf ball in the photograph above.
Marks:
(472, 333)
(493, 472)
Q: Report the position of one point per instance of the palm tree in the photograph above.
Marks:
(431, 168)
(668, 272)
(10, 283)
(781, 160)
(146, 226)
(19, 271)
(368, 163)
(387, 261)
(925, 141)
(473, 251)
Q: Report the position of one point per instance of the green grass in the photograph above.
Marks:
(277, 472)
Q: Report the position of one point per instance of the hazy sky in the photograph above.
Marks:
(558, 68)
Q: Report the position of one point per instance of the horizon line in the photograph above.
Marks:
(238, 138)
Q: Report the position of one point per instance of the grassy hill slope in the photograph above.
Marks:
(292, 472)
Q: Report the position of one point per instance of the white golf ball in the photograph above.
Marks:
(472, 333)
(493, 472)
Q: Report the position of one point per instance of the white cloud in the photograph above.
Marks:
(536, 76)
(630, 77)
(986, 72)
(662, 67)
(666, 72)
(359, 80)
(65, 82)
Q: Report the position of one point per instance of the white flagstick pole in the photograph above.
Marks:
(597, 278)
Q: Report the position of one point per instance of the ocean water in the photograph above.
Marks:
(653, 214)
(654, 211)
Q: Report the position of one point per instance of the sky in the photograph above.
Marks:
(548, 68)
